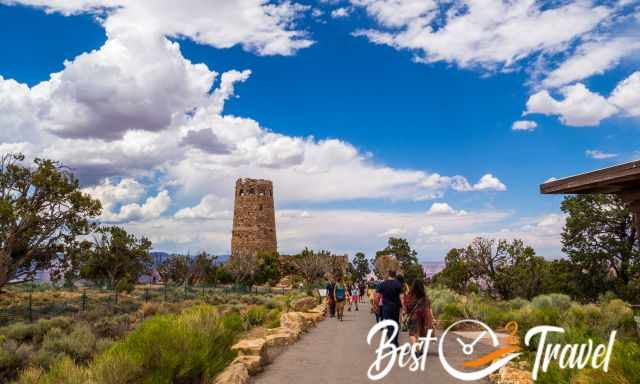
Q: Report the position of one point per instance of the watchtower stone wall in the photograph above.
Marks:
(254, 220)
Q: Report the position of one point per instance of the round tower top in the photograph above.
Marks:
(259, 187)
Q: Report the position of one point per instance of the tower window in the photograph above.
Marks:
(260, 207)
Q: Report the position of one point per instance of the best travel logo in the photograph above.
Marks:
(414, 357)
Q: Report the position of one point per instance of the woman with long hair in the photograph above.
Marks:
(419, 316)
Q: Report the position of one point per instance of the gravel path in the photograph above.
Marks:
(336, 352)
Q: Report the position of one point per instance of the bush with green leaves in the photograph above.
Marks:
(190, 347)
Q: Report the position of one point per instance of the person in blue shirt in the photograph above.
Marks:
(390, 292)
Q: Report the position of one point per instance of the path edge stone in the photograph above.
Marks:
(254, 354)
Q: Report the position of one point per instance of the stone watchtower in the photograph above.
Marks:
(254, 221)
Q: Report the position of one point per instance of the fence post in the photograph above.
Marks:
(84, 300)
(116, 296)
(185, 290)
(164, 291)
(203, 292)
(30, 307)
(146, 295)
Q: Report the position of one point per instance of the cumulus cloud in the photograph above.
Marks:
(479, 32)
(581, 107)
(626, 95)
(119, 201)
(524, 125)
(438, 209)
(257, 25)
(600, 155)
(590, 58)
(211, 207)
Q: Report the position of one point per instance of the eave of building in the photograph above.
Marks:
(623, 179)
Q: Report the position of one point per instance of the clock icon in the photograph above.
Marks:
(499, 358)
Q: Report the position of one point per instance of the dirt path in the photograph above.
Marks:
(336, 352)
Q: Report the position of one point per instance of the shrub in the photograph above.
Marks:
(79, 344)
(112, 326)
(273, 318)
(255, 316)
(190, 347)
(13, 357)
(62, 372)
(23, 332)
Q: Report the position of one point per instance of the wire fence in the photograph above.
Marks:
(37, 302)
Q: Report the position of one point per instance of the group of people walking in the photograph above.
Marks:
(340, 294)
(390, 299)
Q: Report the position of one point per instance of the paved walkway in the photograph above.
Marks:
(337, 352)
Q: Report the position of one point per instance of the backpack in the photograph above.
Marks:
(340, 292)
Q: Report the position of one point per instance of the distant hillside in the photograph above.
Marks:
(432, 267)
(160, 256)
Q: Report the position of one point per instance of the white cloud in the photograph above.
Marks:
(599, 155)
(580, 107)
(127, 190)
(524, 125)
(489, 182)
(626, 95)
(393, 232)
(480, 32)
(593, 57)
(152, 208)
(259, 26)
(340, 12)
(438, 209)
(211, 207)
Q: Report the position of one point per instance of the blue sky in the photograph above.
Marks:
(364, 121)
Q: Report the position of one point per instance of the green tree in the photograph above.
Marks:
(116, 258)
(523, 274)
(268, 268)
(601, 240)
(406, 256)
(456, 274)
(361, 266)
(42, 211)
(175, 269)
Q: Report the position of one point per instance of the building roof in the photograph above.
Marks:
(622, 178)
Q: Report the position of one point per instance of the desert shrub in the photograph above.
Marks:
(23, 332)
(255, 316)
(517, 303)
(13, 357)
(79, 344)
(64, 371)
(554, 300)
(273, 318)
(440, 298)
(112, 326)
(190, 347)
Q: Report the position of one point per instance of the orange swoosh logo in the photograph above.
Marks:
(482, 360)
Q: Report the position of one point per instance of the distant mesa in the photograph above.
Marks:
(254, 220)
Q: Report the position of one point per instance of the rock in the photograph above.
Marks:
(304, 304)
(281, 338)
(250, 347)
(510, 375)
(252, 363)
(312, 318)
(233, 374)
(294, 321)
